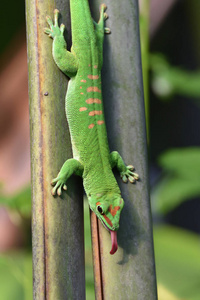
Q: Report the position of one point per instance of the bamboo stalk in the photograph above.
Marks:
(130, 272)
(57, 223)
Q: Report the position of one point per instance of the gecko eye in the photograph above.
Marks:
(100, 210)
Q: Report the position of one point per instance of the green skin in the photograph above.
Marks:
(84, 109)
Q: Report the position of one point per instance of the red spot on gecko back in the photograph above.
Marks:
(93, 100)
(91, 126)
(93, 77)
(83, 80)
(95, 112)
(100, 122)
(82, 108)
(93, 89)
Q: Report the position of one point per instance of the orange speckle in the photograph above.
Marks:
(95, 66)
(81, 87)
(89, 65)
(93, 89)
(93, 100)
(82, 108)
(100, 122)
(83, 80)
(114, 210)
(82, 93)
(108, 220)
(91, 126)
(95, 112)
(93, 76)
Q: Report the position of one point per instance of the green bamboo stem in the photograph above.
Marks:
(57, 223)
(144, 38)
(130, 272)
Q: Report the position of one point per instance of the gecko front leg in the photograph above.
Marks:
(126, 172)
(71, 166)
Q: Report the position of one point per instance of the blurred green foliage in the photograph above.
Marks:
(168, 80)
(21, 201)
(177, 261)
(16, 276)
(176, 250)
(89, 276)
(179, 181)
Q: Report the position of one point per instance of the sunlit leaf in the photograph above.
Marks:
(20, 201)
(165, 294)
(16, 276)
(178, 261)
(181, 180)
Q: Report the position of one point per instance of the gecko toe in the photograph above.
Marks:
(64, 187)
(103, 6)
(59, 191)
(130, 167)
(124, 178)
(105, 15)
(107, 30)
(131, 179)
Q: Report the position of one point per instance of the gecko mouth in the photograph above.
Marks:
(113, 238)
(113, 234)
(114, 241)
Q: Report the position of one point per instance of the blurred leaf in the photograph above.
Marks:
(182, 161)
(21, 201)
(168, 80)
(89, 275)
(171, 192)
(144, 38)
(16, 276)
(164, 294)
(178, 261)
(181, 181)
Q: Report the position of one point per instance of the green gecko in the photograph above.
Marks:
(92, 159)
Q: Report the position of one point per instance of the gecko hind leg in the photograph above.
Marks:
(103, 17)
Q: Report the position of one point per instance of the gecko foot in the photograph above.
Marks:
(103, 17)
(54, 29)
(128, 174)
(58, 184)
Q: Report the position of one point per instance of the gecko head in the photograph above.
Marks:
(108, 206)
